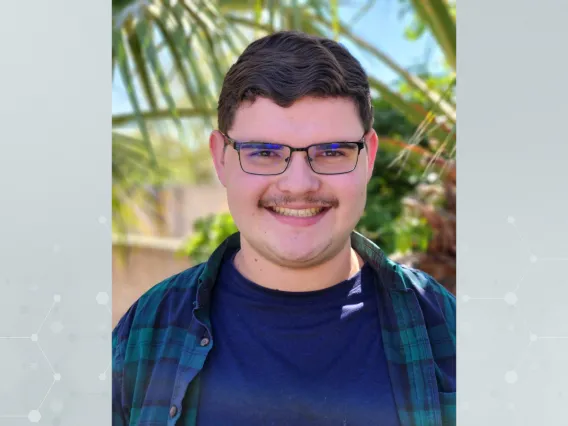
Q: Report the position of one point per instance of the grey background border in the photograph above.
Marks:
(55, 239)
(512, 212)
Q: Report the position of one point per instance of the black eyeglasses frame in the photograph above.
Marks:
(236, 145)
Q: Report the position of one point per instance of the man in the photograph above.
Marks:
(297, 319)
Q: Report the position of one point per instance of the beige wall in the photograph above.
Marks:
(181, 206)
(151, 256)
(143, 268)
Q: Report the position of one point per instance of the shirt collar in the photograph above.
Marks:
(388, 271)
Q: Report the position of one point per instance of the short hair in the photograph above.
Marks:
(288, 65)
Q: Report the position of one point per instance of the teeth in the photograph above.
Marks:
(297, 212)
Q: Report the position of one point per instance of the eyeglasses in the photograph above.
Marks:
(269, 159)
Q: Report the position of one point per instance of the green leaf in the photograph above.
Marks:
(438, 102)
(141, 66)
(206, 36)
(177, 46)
(202, 98)
(413, 112)
(335, 23)
(144, 34)
(437, 16)
(122, 62)
(124, 119)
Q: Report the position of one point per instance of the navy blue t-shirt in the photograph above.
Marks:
(295, 358)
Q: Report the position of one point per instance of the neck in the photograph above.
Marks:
(266, 273)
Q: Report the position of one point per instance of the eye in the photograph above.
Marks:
(332, 150)
(332, 153)
(262, 150)
(265, 153)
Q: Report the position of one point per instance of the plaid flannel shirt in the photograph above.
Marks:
(161, 343)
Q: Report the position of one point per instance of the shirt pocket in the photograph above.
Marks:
(448, 408)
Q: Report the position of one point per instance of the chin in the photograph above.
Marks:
(300, 253)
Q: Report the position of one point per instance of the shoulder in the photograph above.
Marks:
(159, 306)
(432, 296)
(425, 285)
(438, 311)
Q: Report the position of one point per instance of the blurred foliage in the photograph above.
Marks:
(135, 187)
(443, 83)
(208, 234)
(417, 28)
(382, 220)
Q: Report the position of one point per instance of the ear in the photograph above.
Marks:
(372, 141)
(217, 149)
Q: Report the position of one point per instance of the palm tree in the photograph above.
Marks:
(171, 56)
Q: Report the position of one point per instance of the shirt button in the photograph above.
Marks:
(205, 341)
(173, 411)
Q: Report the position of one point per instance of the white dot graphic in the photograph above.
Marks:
(102, 220)
(34, 337)
(102, 376)
(57, 298)
(57, 377)
(34, 416)
(533, 258)
(102, 298)
(511, 219)
(511, 298)
(466, 298)
(533, 337)
(511, 377)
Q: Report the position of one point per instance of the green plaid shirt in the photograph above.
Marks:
(162, 342)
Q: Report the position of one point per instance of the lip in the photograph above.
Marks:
(299, 206)
(298, 221)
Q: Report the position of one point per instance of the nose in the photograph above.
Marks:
(299, 178)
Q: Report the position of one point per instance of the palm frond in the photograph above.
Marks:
(436, 16)
(130, 160)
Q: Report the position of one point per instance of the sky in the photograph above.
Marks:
(381, 26)
(384, 28)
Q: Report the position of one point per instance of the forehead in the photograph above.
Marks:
(308, 120)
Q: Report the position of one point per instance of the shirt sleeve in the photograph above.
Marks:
(438, 307)
(120, 405)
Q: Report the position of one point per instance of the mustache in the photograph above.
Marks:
(284, 200)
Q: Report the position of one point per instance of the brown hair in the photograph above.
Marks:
(288, 65)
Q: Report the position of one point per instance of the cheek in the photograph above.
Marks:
(351, 189)
(352, 196)
(243, 193)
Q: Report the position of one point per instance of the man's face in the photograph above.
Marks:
(281, 217)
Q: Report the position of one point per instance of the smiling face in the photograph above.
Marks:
(298, 218)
